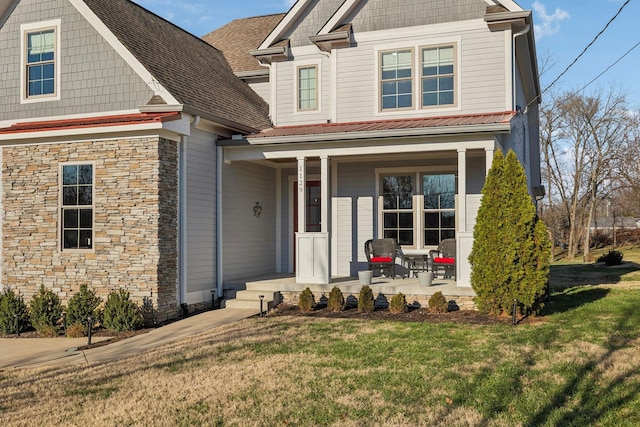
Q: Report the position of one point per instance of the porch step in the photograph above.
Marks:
(251, 300)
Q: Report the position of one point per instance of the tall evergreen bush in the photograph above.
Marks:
(511, 250)
(120, 313)
(14, 314)
(82, 305)
(46, 311)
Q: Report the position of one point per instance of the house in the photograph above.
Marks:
(385, 118)
(134, 156)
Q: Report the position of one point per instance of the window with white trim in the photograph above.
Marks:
(438, 76)
(396, 79)
(439, 213)
(77, 206)
(417, 207)
(397, 209)
(307, 88)
(40, 65)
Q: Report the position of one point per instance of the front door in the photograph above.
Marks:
(313, 213)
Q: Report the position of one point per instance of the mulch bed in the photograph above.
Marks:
(413, 315)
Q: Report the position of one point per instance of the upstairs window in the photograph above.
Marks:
(438, 76)
(307, 88)
(77, 206)
(40, 61)
(396, 79)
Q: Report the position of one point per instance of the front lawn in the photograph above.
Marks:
(577, 365)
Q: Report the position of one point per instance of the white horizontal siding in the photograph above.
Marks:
(249, 242)
(482, 72)
(201, 211)
(286, 111)
(263, 89)
(473, 204)
(344, 234)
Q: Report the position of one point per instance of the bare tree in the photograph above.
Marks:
(582, 144)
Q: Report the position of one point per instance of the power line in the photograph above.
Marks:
(586, 48)
(609, 67)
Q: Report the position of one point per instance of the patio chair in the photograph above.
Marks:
(381, 254)
(444, 258)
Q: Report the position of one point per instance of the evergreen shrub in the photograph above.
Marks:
(14, 314)
(612, 257)
(336, 300)
(120, 313)
(438, 303)
(46, 310)
(398, 304)
(511, 248)
(81, 306)
(366, 302)
(307, 301)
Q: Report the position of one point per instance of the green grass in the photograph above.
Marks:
(576, 365)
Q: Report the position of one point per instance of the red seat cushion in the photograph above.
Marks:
(381, 259)
(444, 260)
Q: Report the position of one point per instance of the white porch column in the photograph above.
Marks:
(462, 190)
(489, 159)
(464, 236)
(302, 196)
(325, 204)
(313, 251)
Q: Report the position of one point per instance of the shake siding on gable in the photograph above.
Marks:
(94, 77)
(201, 213)
(249, 242)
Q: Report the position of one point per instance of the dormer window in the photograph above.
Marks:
(40, 61)
(308, 88)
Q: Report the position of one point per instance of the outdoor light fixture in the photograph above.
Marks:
(257, 210)
(261, 300)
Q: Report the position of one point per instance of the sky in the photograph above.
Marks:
(563, 28)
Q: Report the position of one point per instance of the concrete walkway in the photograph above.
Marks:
(40, 352)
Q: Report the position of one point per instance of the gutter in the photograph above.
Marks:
(390, 133)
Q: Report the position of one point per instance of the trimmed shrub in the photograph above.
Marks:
(77, 330)
(511, 248)
(46, 310)
(612, 257)
(366, 302)
(438, 303)
(120, 313)
(336, 300)
(307, 301)
(398, 304)
(82, 305)
(14, 314)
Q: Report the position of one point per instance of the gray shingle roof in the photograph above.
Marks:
(193, 71)
(239, 36)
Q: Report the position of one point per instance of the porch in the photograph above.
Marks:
(284, 288)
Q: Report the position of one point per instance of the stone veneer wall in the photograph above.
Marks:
(135, 220)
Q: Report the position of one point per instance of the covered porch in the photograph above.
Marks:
(332, 187)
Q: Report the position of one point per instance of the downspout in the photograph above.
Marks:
(182, 223)
(219, 239)
(514, 80)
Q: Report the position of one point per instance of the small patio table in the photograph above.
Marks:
(415, 263)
